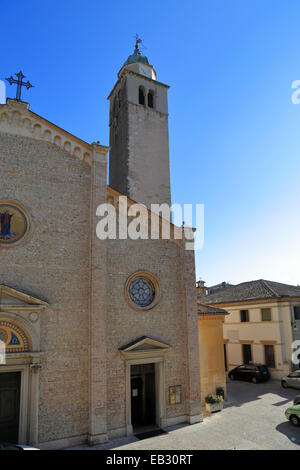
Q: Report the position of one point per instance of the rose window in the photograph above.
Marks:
(141, 291)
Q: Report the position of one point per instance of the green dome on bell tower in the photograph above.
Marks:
(138, 63)
(137, 56)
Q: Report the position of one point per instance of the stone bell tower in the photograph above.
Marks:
(139, 136)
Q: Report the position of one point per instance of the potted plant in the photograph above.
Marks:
(214, 403)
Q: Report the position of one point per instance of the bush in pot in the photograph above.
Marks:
(214, 403)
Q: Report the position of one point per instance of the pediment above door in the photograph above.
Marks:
(12, 299)
(144, 346)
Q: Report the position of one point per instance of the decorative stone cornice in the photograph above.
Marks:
(17, 119)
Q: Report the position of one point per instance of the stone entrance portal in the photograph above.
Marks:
(145, 383)
(20, 361)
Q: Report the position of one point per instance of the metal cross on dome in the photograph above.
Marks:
(19, 83)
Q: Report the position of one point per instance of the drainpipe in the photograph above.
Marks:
(282, 338)
(293, 328)
(293, 323)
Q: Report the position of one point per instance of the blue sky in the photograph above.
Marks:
(234, 131)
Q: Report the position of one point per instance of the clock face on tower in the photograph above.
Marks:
(144, 70)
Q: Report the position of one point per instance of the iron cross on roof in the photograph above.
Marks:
(19, 84)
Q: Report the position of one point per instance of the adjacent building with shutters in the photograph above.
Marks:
(263, 325)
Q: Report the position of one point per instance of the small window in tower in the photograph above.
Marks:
(150, 99)
(141, 95)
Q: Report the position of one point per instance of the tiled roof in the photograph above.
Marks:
(221, 284)
(251, 290)
(207, 310)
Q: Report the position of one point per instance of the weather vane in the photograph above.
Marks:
(138, 41)
(19, 83)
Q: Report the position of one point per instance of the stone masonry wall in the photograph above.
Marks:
(166, 322)
(53, 265)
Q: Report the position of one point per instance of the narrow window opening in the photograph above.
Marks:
(141, 96)
(150, 99)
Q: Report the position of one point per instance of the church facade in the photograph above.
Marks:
(99, 336)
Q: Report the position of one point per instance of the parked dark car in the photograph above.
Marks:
(250, 373)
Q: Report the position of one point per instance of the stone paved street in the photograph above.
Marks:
(253, 418)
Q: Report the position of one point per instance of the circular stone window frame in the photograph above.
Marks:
(157, 290)
(29, 224)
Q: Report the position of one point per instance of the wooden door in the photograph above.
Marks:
(150, 408)
(10, 386)
(137, 401)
